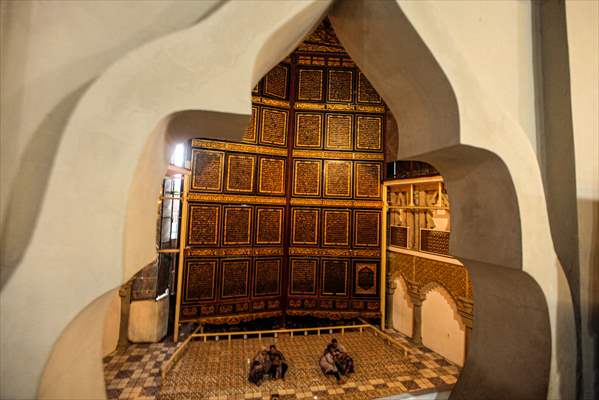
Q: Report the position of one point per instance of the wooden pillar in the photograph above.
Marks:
(417, 320)
(389, 303)
(125, 294)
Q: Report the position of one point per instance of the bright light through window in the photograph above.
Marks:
(178, 157)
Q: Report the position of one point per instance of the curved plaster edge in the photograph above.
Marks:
(466, 119)
(65, 377)
(151, 83)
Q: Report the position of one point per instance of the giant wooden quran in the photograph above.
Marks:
(288, 221)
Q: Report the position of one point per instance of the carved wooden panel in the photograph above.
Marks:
(340, 88)
(235, 277)
(339, 132)
(208, 167)
(365, 278)
(304, 226)
(303, 276)
(337, 178)
(267, 276)
(452, 277)
(334, 277)
(367, 228)
(264, 243)
(310, 84)
(434, 241)
(308, 130)
(367, 177)
(200, 280)
(237, 225)
(271, 177)
(369, 132)
(398, 236)
(306, 177)
(336, 227)
(250, 134)
(367, 93)
(273, 127)
(240, 173)
(275, 83)
(269, 225)
(204, 223)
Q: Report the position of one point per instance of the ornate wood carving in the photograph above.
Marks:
(366, 93)
(237, 226)
(337, 178)
(310, 84)
(303, 276)
(235, 274)
(308, 130)
(334, 277)
(369, 130)
(204, 223)
(336, 227)
(240, 173)
(367, 228)
(271, 177)
(267, 276)
(365, 278)
(269, 226)
(340, 88)
(200, 280)
(275, 83)
(367, 180)
(306, 177)
(273, 127)
(208, 167)
(339, 132)
(304, 226)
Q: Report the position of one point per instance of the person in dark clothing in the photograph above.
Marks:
(278, 367)
(344, 362)
(260, 367)
(328, 365)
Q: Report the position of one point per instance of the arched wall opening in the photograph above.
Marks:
(442, 328)
(507, 281)
(403, 309)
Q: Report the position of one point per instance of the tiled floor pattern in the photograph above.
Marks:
(218, 370)
(135, 374)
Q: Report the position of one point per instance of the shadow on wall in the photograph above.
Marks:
(590, 295)
(31, 180)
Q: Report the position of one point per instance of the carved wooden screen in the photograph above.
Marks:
(288, 221)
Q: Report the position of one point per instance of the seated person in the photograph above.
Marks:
(328, 365)
(337, 347)
(344, 362)
(278, 366)
(260, 367)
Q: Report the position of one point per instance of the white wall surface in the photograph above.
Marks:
(442, 329)
(403, 310)
(497, 42)
(101, 153)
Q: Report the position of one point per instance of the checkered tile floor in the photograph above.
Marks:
(218, 370)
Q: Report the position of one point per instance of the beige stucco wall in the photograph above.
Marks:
(52, 50)
(51, 53)
(88, 236)
(495, 36)
(442, 328)
(583, 42)
(112, 324)
(403, 310)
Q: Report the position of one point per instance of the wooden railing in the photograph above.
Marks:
(170, 363)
